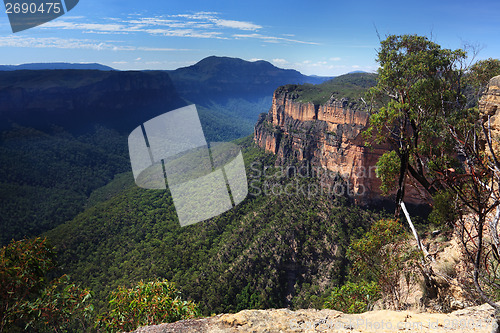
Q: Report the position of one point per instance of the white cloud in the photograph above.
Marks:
(272, 39)
(356, 66)
(279, 61)
(72, 43)
(236, 24)
(15, 41)
(185, 33)
(199, 25)
(160, 49)
(335, 59)
(205, 25)
(152, 21)
(60, 24)
(198, 16)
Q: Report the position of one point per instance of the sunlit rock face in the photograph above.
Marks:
(329, 137)
(489, 107)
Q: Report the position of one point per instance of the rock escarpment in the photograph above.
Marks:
(489, 107)
(328, 137)
(490, 102)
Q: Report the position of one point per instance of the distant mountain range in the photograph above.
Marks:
(55, 65)
(77, 100)
(353, 72)
(213, 79)
(71, 95)
(232, 87)
(216, 78)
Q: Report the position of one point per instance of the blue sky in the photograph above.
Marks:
(316, 37)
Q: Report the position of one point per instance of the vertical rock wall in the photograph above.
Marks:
(327, 136)
(489, 107)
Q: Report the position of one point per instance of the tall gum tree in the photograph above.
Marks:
(438, 142)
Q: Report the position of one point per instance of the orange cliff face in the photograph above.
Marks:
(489, 107)
(329, 137)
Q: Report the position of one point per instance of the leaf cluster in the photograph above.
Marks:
(30, 300)
(145, 304)
(354, 297)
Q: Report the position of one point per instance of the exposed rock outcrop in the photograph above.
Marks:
(489, 107)
(490, 102)
(473, 319)
(329, 137)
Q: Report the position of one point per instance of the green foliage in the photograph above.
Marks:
(60, 307)
(232, 119)
(46, 178)
(29, 300)
(432, 124)
(444, 212)
(49, 177)
(352, 86)
(475, 81)
(422, 81)
(481, 72)
(353, 297)
(384, 255)
(387, 170)
(23, 267)
(145, 304)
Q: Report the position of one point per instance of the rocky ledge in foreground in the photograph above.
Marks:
(472, 319)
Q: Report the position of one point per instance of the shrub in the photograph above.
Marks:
(384, 255)
(353, 297)
(29, 300)
(444, 212)
(149, 303)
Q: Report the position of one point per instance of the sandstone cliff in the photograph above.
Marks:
(328, 137)
(490, 102)
(489, 107)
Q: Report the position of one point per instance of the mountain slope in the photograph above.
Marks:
(215, 78)
(63, 134)
(278, 248)
(351, 86)
(234, 86)
(272, 250)
(78, 99)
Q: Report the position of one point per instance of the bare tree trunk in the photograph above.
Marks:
(477, 262)
(415, 234)
(493, 227)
